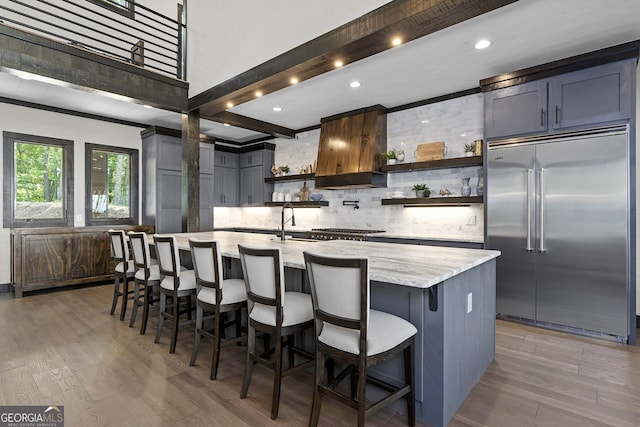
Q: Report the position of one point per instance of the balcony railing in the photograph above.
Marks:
(125, 30)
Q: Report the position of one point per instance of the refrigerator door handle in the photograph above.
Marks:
(541, 247)
(529, 248)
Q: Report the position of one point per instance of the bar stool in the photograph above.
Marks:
(273, 311)
(146, 278)
(177, 283)
(348, 330)
(123, 270)
(215, 295)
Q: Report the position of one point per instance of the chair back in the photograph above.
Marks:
(207, 263)
(263, 272)
(339, 290)
(167, 254)
(119, 247)
(140, 249)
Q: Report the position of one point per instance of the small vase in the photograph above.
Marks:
(400, 157)
(466, 189)
(469, 153)
(391, 161)
(480, 184)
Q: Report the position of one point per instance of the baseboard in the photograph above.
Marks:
(5, 288)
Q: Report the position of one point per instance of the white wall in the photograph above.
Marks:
(447, 121)
(80, 130)
(226, 38)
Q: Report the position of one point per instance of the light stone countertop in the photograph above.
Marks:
(401, 264)
(386, 234)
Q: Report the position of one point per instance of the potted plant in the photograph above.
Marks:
(392, 156)
(469, 149)
(285, 170)
(421, 190)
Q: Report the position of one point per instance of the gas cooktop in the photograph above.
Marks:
(340, 233)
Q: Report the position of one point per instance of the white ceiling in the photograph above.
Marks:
(524, 34)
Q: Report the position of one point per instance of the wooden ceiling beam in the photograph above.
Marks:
(244, 122)
(363, 37)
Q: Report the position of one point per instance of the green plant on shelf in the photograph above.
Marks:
(469, 148)
(421, 190)
(391, 154)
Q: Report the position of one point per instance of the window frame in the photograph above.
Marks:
(9, 181)
(122, 10)
(134, 187)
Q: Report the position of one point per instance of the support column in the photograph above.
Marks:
(191, 172)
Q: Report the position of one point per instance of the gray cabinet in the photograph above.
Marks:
(254, 167)
(225, 179)
(516, 110)
(207, 186)
(162, 181)
(593, 96)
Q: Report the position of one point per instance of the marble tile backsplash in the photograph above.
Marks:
(457, 122)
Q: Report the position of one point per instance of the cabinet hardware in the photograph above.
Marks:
(542, 117)
(557, 115)
(541, 213)
(528, 248)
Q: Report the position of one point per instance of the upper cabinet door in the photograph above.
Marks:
(516, 110)
(224, 159)
(595, 95)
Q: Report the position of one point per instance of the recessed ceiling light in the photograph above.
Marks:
(277, 109)
(482, 44)
(338, 64)
(229, 104)
(258, 94)
(147, 106)
(294, 80)
(425, 121)
(354, 84)
(227, 124)
(396, 41)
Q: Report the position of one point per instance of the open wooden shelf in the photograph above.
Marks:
(434, 201)
(300, 177)
(456, 162)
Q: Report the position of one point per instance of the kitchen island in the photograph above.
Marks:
(447, 293)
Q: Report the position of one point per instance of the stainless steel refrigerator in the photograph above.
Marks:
(559, 210)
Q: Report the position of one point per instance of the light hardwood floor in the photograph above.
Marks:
(64, 348)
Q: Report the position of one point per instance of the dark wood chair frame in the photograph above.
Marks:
(277, 331)
(218, 310)
(172, 312)
(357, 364)
(125, 293)
(143, 287)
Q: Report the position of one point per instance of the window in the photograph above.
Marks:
(120, 6)
(38, 181)
(112, 185)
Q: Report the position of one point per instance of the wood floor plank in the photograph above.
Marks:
(62, 347)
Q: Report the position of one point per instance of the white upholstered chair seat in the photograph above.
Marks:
(187, 281)
(154, 273)
(233, 290)
(130, 268)
(385, 331)
(297, 309)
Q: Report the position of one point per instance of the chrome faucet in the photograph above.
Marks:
(283, 222)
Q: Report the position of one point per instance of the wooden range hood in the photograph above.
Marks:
(349, 149)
